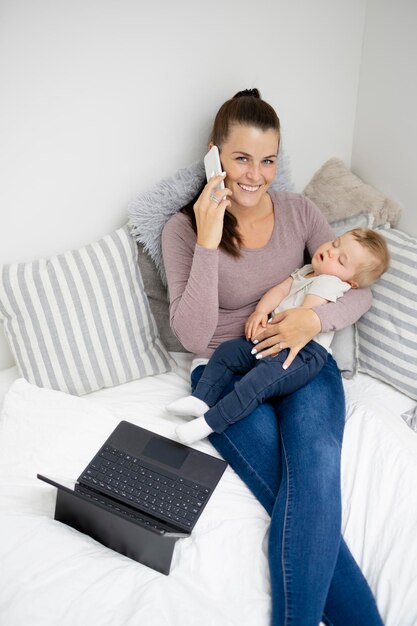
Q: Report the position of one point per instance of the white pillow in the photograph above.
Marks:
(80, 321)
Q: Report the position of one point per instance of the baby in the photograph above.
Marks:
(353, 260)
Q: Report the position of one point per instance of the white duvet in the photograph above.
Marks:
(50, 574)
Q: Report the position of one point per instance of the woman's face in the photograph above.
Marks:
(249, 159)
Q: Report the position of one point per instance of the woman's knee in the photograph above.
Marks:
(316, 473)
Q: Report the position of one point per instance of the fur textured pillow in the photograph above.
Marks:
(149, 212)
(339, 194)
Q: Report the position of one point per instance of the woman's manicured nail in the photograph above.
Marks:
(259, 356)
(255, 341)
(253, 351)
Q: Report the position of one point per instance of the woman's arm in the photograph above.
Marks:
(192, 275)
(191, 265)
(346, 311)
(296, 327)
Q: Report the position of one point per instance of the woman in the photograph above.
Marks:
(221, 254)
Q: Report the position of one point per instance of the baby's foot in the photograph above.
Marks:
(188, 406)
(193, 431)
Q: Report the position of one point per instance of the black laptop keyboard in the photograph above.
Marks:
(119, 508)
(145, 486)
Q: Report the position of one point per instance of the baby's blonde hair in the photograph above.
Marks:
(369, 271)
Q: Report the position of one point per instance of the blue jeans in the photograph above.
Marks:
(264, 379)
(288, 453)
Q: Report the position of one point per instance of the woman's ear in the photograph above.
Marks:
(211, 144)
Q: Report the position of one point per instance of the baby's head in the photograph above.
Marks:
(359, 257)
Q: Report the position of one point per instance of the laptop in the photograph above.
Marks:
(139, 494)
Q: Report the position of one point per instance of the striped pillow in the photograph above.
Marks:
(80, 321)
(387, 334)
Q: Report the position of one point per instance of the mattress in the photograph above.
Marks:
(51, 574)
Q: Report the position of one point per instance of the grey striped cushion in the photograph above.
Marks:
(387, 334)
(80, 321)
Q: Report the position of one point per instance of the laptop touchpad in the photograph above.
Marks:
(167, 452)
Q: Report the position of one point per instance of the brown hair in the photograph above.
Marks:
(369, 271)
(247, 109)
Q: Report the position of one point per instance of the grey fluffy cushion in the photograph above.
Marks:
(339, 194)
(149, 211)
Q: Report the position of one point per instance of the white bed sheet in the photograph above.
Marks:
(51, 574)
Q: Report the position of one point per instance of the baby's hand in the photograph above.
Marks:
(252, 324)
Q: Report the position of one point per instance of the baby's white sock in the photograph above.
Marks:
(188, 406)
(193, 431)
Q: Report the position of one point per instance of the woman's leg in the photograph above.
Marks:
(252, 447)
(312, 571)
(349, 600)
(305, 526)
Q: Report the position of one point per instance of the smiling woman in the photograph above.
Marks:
(220, 258)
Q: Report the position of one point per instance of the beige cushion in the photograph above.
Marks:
(339, 194)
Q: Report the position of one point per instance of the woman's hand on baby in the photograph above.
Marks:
(209, 213)
(291, 329)
(252, 325)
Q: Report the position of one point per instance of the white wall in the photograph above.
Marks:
(385, 139)
(102, 98)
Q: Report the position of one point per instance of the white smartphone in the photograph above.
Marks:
(213, 166)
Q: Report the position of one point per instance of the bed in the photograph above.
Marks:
(51, 574)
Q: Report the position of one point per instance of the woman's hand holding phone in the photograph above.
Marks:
(211, 205)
